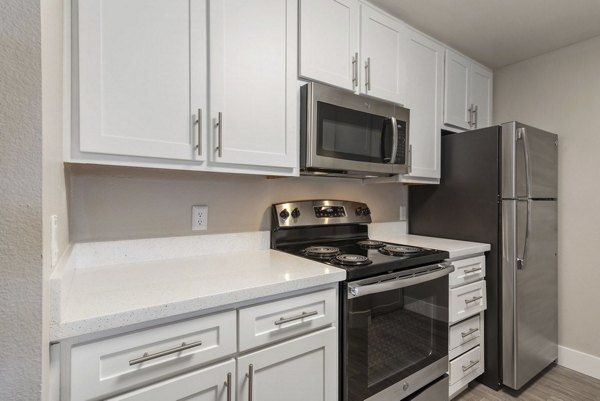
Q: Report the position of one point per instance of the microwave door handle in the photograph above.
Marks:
(394, 140)
(384, 152)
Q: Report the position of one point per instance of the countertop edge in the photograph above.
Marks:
(60, 331)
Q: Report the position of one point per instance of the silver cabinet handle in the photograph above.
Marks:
(475, 116)
(149, 357)
(468, 301)
(470, 110)
(468, 333)
(368, 74)
(476, 269)
(199, 124)
(250, 376)
(470, 365)
(228, 385)
(219, 125)
(291, 319)
(355, 70)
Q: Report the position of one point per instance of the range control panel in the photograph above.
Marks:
(319, 212)
(329, 211)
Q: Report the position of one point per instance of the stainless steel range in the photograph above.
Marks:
(393, 304)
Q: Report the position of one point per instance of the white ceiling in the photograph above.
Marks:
(501, 32)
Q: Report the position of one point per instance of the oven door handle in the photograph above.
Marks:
(401, 280)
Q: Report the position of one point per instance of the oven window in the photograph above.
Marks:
(353, 135)
(393, 334)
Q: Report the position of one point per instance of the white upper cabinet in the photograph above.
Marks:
(253, 77)
(425, 64)
(468, 93)
(383, 50)
(142, 77)
(329, 42)
(481, 96)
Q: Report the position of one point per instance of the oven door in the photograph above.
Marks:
(395, 333)
(350, 133)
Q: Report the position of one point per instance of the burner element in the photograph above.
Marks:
(370, 244)
(351, 260)
(321, 251)
(399, 250)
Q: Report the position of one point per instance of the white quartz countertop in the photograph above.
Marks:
(395, 232)
(94, 299)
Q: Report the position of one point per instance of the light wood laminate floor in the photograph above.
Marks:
(554, 384)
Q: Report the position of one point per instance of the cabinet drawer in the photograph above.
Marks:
(111, 365)
(211, 382)
(465, 332)
(273, 321)
(467, 271)
(469, 364)
(467, 301)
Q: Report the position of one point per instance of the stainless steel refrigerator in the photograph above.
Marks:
(499, 186)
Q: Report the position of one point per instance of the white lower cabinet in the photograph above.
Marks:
(214, 383)
(281, 349)
(301, 369)
(466, 332)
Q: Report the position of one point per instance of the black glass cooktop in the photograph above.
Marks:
(365, 257)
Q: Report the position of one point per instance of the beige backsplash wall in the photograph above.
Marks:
(108, 203)
(560, 92)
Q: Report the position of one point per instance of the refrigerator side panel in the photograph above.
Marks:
(536, 289)
(465, 206)
(509, 269)
(508, 142)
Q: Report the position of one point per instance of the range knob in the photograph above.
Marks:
(284, 214)
(363, 211)
(295, 213)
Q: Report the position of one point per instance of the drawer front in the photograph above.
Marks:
(114, 364)
(467, 301)
(273, 321)
(469, 364)
(465, 332)
(467, 271)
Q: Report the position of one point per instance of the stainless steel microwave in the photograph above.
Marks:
(343, 134)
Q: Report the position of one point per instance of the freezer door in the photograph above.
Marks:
(530, 289)
(536, 163)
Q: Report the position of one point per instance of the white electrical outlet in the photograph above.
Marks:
(199, 217)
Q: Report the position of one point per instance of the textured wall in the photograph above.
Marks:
(21, 201)
(53, 187)
(560, 92)
(116, 203)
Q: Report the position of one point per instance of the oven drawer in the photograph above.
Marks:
(467, 301)
(274, 321)
(465, 332)
(467, 271)
(469, 364)
(108, 366)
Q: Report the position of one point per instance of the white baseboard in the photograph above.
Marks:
(579, 361)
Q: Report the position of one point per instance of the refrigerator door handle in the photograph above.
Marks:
(522, 136)
(521, 256)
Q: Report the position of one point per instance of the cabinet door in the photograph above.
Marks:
(457, 96)
(425, 59)
(383, 46)
(254, 93)
(142, 76)
(305, 368)
(329, 42)
(481, 96)
(210, 384)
